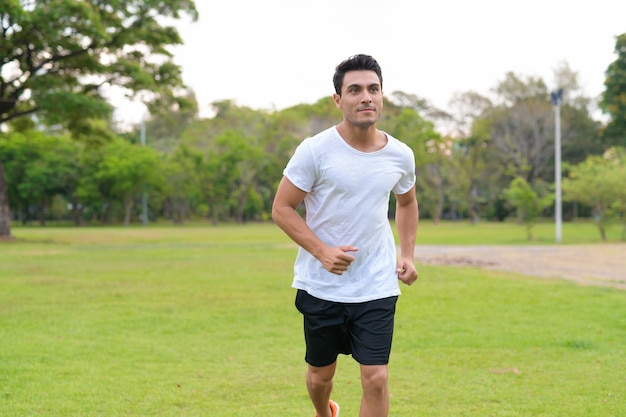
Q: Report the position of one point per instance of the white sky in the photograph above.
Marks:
(274, 54)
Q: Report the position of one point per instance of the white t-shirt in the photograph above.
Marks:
(347, 203)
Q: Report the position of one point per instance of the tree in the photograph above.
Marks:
(17, 150)
(51, 171)
(128, 169)
(523, 126)
(430, 149)
(467, 108)
(528, 202)
(613, 100)
(183, 170)
(471, 167)
(231, 169)
(580, 132)
(59, 59)
(599, 183)
(231, 144)
(164, 128)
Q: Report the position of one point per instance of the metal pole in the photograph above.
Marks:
(558, 211)
(144, 197)
(557, 174)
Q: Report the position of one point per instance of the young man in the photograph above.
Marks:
(346, 270)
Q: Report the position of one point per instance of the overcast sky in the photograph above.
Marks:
(274, 54)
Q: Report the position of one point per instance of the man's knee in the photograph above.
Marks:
(374, 378)
(320, 376)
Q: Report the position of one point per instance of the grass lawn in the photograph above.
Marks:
(199, 321)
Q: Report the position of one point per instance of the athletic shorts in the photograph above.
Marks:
(363, 330)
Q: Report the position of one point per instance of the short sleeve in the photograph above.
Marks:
(407, 180)
(300, 169)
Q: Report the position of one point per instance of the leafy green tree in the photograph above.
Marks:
(59, 59)
(90, 197)
(229, 171)
(182, 192)
(528, 202)
(580, 133)
(17, 150)
(522, 125)
(614, 97)
(164, 128)
(599, 182)
(129, 169)
(217, 173)
(472, 167)
(430, 149)
(39, 167)
(284, 131)
(477, 174)
(53, 173)
(467, 165)
(232, 168)
(321, 115)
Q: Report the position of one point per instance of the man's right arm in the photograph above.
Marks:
(288, 198)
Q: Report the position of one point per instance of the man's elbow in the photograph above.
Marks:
(275, 213)
(409, 202)
(279, 211)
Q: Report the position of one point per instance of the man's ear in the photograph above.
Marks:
(337, 100)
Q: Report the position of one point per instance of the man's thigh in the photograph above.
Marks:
(370, 329)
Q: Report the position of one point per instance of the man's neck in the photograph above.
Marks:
(364, 139)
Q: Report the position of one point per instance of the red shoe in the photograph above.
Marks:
(334, 408)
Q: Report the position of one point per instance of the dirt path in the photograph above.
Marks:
(600, 264)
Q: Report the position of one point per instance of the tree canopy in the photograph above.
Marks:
(59, 59)
(614, 97)
(599, 181)
(61, 154)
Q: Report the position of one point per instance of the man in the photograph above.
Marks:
(346, 271)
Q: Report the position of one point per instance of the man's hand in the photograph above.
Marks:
(406, 271)
(337, 259)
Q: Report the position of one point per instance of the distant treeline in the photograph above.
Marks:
(226, 168)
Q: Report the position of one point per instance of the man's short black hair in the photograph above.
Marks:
(360, 62)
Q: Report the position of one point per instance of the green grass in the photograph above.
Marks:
(199, 321)
(511, 233)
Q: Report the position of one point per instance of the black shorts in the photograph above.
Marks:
(364, 330)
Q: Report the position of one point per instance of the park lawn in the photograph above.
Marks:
(199, 321)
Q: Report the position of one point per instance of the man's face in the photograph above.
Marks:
(361, 99)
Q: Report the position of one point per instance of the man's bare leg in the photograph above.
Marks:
(319, 383)
(375, 400)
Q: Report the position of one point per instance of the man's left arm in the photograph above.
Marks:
(407, 218)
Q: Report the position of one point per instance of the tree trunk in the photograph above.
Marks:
(77, 213)
(439, 208)
(471, 213)
(5, 212)
(181, 214)
(41, 214)
(241, 205)
(214, 213)
(177, 211)
(128, 206)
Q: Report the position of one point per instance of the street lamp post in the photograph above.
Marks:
(557, 98)
(144, 197)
